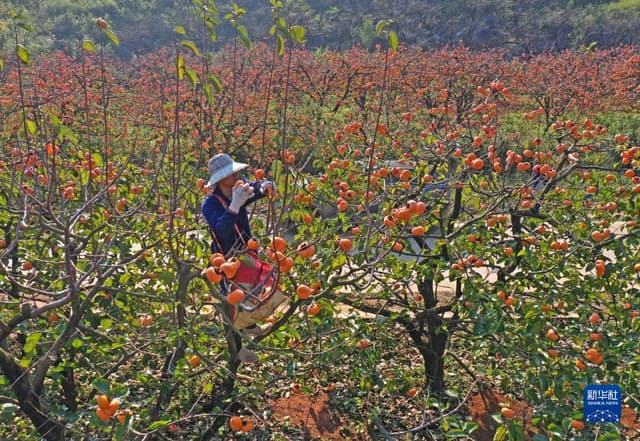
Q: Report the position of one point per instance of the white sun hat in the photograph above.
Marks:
(221, 166)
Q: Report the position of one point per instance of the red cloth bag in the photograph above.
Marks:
(258, 280)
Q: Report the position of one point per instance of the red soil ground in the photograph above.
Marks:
(317, 419)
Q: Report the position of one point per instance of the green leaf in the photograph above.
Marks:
(213, 37)
(297, 33)
(238, 11)
(380, 26)
(23, 54)
(500, 434)
(106, 323)
(217, 84)
(242, 31)
(208, 93)
(180, 67)
(32, 341)
(102, 386)
(1, 63)
(180, 30)
(193, 76)
(55, 121)
(516, 432)
(280, 45)
(88, 46)
(66, 132)
(393, 40)
(109, 33)
(244, 36)
(120, 391)
(7, 411)
(27, 27)
(609, 436)
(32, 127)
(452, 393)
(246, 42)
(77, 343)
(166, 276)
(191, 45)
(97, 159)
(158, 424)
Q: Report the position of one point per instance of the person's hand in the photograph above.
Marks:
(268, 188)
(240, 195)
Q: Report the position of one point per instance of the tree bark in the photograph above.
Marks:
(69, 389)
(29, 401)
(432, 345)
(428, 338)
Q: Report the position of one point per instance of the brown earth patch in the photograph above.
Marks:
(483, 405)
(630, 423)
(486, 403)
(313, 415)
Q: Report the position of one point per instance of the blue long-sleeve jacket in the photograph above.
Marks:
(222, 222)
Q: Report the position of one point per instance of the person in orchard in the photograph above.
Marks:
(225, 209)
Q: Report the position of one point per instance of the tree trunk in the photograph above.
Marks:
(69, 389)
(29, 401)
(433, 357)
(427, 335)
(432, 345)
